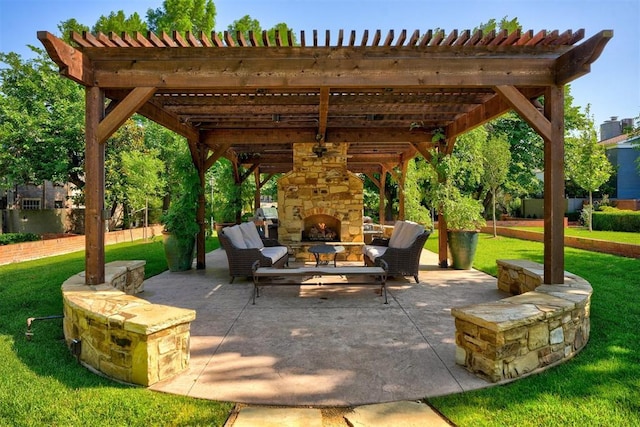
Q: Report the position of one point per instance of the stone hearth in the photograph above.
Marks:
(320, 187)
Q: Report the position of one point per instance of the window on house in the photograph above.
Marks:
(58, 204)
(30, 204)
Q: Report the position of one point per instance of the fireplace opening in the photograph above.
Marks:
(321, 228)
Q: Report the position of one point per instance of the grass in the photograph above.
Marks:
(612, 236)
(601, 385)
(42, 384)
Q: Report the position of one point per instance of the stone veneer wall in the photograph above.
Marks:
(320, 186)
(531, 331)
(121, 336)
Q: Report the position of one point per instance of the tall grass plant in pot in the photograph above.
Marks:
(180, 226)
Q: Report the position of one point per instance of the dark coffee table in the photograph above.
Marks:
(318, 250)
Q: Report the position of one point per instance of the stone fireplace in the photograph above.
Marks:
(320, 201)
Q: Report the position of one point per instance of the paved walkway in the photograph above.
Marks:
(321, 346)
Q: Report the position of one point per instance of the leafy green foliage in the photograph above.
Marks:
(9, 238)
(183, 15)
(616, 220)
(415, 206)
(180, 218)
(41, 123)
(496, 159)
(119, 23)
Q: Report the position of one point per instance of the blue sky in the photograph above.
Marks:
(612, 88)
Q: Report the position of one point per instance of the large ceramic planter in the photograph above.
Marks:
(462, 245)
(179, 252)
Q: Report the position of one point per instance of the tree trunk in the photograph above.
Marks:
(493, 203)
(590, 211)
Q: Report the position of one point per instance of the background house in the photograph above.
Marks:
(623, 155)
(46, 208)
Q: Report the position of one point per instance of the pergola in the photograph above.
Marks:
(250, 100)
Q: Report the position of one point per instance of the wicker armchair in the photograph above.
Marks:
(401, 261)
(241, 260)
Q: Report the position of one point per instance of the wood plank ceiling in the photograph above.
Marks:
(250, 100)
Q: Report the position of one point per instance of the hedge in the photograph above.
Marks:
(617, 220)
(9, 238)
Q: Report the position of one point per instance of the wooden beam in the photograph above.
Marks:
(72, 62)
(554, 202)
(123, 110)
(170, 121)
(401, 185)
(330, 67)
(324, 114)
(200, 213)
(94, 188)
(217, 153)
(382, 195)
(526, 110)
(577, 62)
(443, 253)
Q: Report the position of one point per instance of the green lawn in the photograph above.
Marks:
(43, 385)
(613, 236)
(601, 385)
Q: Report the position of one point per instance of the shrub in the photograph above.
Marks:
(9, 238)
(611, 219)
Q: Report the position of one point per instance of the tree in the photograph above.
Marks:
(41, 123)
(496, 159)
(415, 209)
(119, 23)
(586, 162)
(183, 15)
(144, 179)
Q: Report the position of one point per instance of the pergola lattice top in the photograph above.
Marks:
(250, 100)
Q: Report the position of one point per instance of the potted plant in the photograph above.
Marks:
(180, 226)
(462, 213)
(463, 216)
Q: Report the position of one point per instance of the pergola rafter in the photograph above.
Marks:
(250, 100)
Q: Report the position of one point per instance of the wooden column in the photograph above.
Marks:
(256, 198)
(554, 203)
(94, 188)
(443, 259)
(381, 187)
(401, 182)
(200, 213)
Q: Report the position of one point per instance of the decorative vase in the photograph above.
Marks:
(462, 245)
(179, 252)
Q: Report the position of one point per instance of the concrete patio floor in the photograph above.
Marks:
(321, 346)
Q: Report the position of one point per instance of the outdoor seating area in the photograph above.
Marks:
(321, 345)
(401, 252)
(245, 246)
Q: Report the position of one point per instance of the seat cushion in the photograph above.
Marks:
(373, 252)
(395, 234)
(235, 236)
(251, 236)
(274, 252)
(407, 235)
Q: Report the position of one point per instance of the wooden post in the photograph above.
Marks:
(554, 203)
(383, 183)
(401, 183)
(200, 213)
(443, 259)
(94, 188)
(256, 198)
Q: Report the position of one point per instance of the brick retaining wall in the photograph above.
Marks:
(19, 252)
(604, 246)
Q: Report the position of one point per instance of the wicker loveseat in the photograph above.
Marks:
(401, 251)
(245, 246)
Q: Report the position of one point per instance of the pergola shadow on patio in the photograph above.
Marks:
(321, 346)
